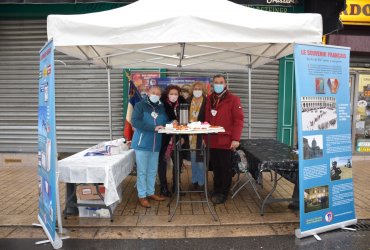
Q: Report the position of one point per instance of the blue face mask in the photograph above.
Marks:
(218, 88)
(154, 98)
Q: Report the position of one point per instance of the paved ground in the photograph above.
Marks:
(238, 217)
(331, 240)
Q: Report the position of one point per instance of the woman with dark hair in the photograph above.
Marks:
(171, 99)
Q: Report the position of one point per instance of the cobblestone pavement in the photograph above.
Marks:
(237, 217)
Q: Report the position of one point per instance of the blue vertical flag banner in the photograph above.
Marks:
(324, 138)
(47, 151)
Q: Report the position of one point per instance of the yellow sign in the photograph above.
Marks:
(364, 80)
(356, 13)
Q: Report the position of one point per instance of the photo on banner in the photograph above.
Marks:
(324, 138)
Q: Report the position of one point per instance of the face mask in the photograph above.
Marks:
(143, 94)
(197, 93)
(173, 98)
(218, 88)
(185, 95)
(154, 98)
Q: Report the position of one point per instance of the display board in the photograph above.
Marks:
(47, 151)
(324, 138)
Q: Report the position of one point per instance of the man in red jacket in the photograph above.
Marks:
(223, 109)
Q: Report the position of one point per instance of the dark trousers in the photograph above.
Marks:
(220, 159)
(162, 166)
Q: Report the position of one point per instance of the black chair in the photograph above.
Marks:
(241, 169)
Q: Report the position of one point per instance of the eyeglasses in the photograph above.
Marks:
(218, 83)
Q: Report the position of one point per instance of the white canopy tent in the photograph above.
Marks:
(186, 34)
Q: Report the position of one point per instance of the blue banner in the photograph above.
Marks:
(47, 153)
(183, 82)
(324, 136)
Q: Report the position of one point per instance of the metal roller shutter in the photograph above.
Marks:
(264, 97)
(81, 93)
(359, 61)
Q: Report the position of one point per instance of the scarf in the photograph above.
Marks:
(195, 106)
(217, 98)
(174, 106)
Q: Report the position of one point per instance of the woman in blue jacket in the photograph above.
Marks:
(147, 118)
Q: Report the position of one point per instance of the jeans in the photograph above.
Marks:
(147, 164)
(197, 169)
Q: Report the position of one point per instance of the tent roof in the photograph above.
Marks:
(194, 34)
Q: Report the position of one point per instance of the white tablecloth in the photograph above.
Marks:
(110, 170)
(192, 131)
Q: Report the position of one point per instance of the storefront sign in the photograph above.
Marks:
(324, 138)
(357, 12)
(47, 152)
(284, 6)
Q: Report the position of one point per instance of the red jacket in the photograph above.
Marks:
(230, 116)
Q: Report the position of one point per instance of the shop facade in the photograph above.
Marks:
(356, 20)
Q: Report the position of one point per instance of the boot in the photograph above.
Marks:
(194, 186)
(164, 191)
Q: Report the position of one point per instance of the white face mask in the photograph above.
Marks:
(197, 93)
(173, 98)
(154, 98)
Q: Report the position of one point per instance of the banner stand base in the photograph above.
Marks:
(317, 237)
(316, 231)
(57, 243)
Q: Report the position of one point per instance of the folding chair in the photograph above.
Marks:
(242, 170)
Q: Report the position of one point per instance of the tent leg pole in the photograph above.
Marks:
(249, 102)
(109, 103)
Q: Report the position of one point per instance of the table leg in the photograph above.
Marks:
(177, 175)
(205, 168)
(269, 194)
(71, 200)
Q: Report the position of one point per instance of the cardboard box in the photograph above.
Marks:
(88, 192)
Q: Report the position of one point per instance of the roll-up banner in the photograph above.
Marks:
(47, 152)
(324, 138)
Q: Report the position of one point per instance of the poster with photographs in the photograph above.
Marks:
(324, 137)
(47, 155)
